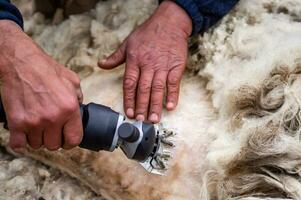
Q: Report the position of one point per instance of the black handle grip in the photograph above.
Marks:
(99, 125)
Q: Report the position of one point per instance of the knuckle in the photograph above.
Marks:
(52, 116)
(131, 54)
(156, 104)
(129, 100)
(173, 81)
(33, 121)
(69, 106)
(158, 86)
(129, 83)
(18, 121)
(144, 87)
(129, 94)
(150, 59)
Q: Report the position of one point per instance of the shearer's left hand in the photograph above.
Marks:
(155, 55)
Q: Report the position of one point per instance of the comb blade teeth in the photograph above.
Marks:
(159, 162)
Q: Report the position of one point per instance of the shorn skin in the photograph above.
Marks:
(238, 119)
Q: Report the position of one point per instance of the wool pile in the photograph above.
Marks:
(238, 120)
(254, 78)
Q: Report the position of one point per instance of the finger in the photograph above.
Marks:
(143, 94)
(52, 137)
(72, 77)
(73, 131)
(75, 86)
(157, 96)
(35, 138)
(173, 88)
(17, 141)
(130, 81)
(115, 59)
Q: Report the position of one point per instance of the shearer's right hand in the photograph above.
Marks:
(40, 96)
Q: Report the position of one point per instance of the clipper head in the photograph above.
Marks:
(159, 160)
(151, 145)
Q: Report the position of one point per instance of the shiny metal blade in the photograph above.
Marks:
(158, 163)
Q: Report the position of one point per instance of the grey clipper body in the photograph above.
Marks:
(105, 130)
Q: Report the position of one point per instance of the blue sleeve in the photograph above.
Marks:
(10, 12)
(205, 13)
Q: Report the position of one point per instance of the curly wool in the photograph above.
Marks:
(257, 153)
(269, 161)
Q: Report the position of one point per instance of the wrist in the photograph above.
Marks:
(175, 16)
(8, 29)
(12, 36)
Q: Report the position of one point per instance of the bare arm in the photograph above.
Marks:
(39, 95)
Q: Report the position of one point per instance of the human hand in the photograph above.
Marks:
(155, 55)
(40, 96)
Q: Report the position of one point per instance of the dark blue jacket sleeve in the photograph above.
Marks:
(10, 12)
(206, 13)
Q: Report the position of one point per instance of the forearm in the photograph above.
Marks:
(30, 79)
(11, 34)
(8, 30)
(15, 47)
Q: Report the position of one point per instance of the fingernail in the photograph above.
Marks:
(170, 105)
(140, 117)
(103, 61)
(154, 117)
(130, 112)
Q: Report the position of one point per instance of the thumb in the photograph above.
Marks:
(115, 59)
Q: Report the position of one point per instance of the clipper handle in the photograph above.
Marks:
(99, 126)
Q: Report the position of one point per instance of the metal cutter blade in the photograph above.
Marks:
(159, 161)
